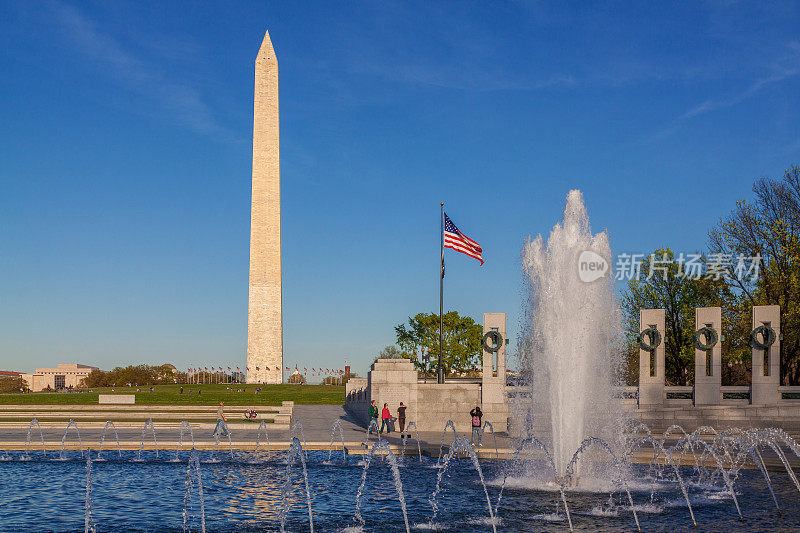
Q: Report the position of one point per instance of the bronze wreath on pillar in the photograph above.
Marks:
(767, 333)
(497, 339)
(653, 336)
(711, 338)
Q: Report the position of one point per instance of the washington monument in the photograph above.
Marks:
(265, 312)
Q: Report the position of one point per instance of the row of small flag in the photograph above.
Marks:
(266, 368)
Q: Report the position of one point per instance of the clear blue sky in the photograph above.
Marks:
(125, 158)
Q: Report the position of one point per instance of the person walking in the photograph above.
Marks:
(222, 422)
(401, 418)
(477, 429)
(386, 417)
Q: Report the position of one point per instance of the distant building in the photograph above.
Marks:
(66, 375)
(297, 378)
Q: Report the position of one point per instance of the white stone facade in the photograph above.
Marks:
(767, 366)
(64, 376)
(708, 363)
(265, 306)
(651, 365)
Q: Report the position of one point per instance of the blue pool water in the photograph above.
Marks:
(245, 495)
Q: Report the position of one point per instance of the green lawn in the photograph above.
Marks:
(208, 395)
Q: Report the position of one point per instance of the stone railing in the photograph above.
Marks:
(684, 396)
(789, 394)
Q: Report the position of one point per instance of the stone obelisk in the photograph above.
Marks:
(265, 312)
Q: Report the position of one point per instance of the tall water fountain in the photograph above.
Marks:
(570, 331)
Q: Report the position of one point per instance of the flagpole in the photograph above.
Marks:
(439, 369)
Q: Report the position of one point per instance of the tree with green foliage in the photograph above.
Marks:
(419, 340)
(392, 352)
(767, 227)
(133, 374)
(12, 384)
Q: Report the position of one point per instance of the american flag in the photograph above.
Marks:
(453, 238)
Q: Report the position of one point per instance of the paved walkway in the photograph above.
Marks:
(317, 421)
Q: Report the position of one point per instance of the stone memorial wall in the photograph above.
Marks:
(430, 405)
